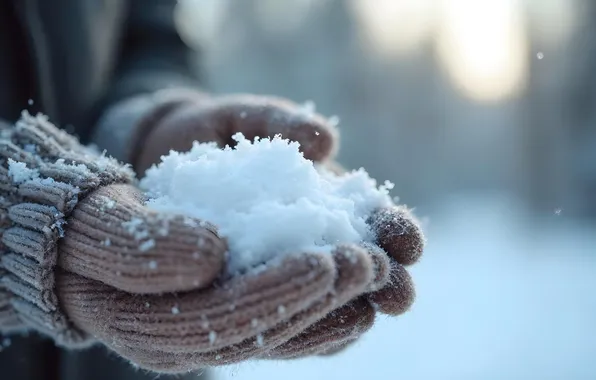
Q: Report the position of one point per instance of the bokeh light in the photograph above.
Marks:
(394, 27)
(483, 47)
(199, 21)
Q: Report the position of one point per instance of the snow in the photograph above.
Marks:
(333, 120)
(265, 198)
(19, 172)
(308, 108)
(137, 228)
(500, 296)
(212, 336)
(146, 246)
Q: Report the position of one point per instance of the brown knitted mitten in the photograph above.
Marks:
(68, 211)
(84, 260)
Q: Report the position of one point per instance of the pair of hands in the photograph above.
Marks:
(168, 309)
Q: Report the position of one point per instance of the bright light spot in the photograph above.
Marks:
(540, 55)
(394, 27)
(483, 47)
(198, 21)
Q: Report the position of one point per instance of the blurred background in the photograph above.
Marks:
(483, 113)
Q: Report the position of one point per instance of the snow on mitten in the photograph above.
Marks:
(142, 283)
(83, 261)
(65, 209)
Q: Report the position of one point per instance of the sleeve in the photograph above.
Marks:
(153, 58)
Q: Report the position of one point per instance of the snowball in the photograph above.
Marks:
(265, 198)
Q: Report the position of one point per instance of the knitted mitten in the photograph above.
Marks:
(65, 208)
(83, 260)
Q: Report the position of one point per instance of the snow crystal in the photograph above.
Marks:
(265, 198)
(175, 310)
(333, 121)
(107, 242)
(308, 108)
(109, 203)
(260, 340)
(281, 309)
(212, 336)
(136, 227)
(152, 264)
(19, 172)
(58, 225)
(146, 246)
(205, 322)
(254, 322)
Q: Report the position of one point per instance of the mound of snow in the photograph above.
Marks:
(265, 198)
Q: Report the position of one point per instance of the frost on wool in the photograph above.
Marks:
(19, 172)
(265, 198)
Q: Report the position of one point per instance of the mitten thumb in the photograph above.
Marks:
(111, 237)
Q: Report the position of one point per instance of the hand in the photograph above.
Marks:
(183, 117)
(399, 244)
(303, 304)
(143, 283)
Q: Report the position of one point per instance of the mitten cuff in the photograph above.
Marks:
(43, 175)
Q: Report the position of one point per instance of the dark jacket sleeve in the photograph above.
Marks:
(152, 57)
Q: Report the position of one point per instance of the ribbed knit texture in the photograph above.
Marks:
(240, 319)
(112, 238)
(33, 215)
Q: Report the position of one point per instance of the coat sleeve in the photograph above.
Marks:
(152, 57)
